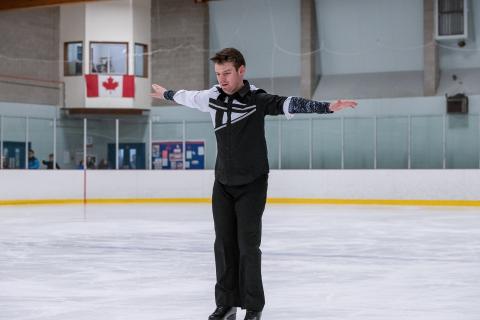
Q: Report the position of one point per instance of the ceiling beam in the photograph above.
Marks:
(22, 4)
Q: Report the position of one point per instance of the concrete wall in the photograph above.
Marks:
(29, 49)
(333, 184)
(179, 44)
(24, 109)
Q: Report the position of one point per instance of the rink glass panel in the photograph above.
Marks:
(462, 141)
(40, 134)
(133, 150)
(100, 135)
(295, 144)
(272, 125)
(359, 143)
(69, 143)
(14, 136)
(327, 143)
(427, 142)
(316, 141)
(392, 142)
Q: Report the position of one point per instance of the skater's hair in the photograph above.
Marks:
(229, 55)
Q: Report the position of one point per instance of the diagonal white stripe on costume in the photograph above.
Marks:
(243, 116)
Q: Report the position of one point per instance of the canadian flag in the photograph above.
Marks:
(106, 86)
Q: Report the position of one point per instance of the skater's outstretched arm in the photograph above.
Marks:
(289, 106)
(190, 98)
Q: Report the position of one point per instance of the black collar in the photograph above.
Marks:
(245, 89)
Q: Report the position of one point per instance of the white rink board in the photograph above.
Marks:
(318, 184)
(40, 184)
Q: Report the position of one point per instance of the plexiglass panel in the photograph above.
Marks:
(70, 143)
(101, 144)
(40, 135)
(427, 142)
(359, 143)
(133, 145)
(14, 148)
(272, 137)
(327, 143)
(392, 143)
(295, 144)
(462, 142)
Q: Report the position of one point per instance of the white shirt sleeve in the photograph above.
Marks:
(193, 99)
(288, 115)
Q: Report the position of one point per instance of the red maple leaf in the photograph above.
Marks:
(110, 84)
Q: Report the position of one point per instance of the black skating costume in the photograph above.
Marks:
(241, 179)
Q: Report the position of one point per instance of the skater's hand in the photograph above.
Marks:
(342, 104)
(159, 91)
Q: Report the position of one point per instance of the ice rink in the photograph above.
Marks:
(146, 262)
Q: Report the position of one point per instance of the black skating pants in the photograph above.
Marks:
(237, 214)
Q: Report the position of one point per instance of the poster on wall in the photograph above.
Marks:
(169, 155)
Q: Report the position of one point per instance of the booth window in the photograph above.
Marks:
(141, 60)
(451, 19)
(109, 57)
(73, 58)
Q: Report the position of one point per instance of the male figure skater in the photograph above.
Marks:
(239, 194)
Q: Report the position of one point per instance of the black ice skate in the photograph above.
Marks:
(253, 315)
(224, 313)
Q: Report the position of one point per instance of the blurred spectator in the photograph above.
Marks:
(33, 162)
(49, 163)
(103, 164)
(91, 163)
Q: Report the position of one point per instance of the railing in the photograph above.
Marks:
(375, 142)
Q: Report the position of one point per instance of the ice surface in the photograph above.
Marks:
(152, 262)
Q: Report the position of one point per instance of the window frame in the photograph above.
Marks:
(464, 35)
(145, 60)
(107, 42)
(66, 61)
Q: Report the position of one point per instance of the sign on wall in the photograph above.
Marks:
(169, 155)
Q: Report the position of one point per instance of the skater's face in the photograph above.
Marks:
(229, 78)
